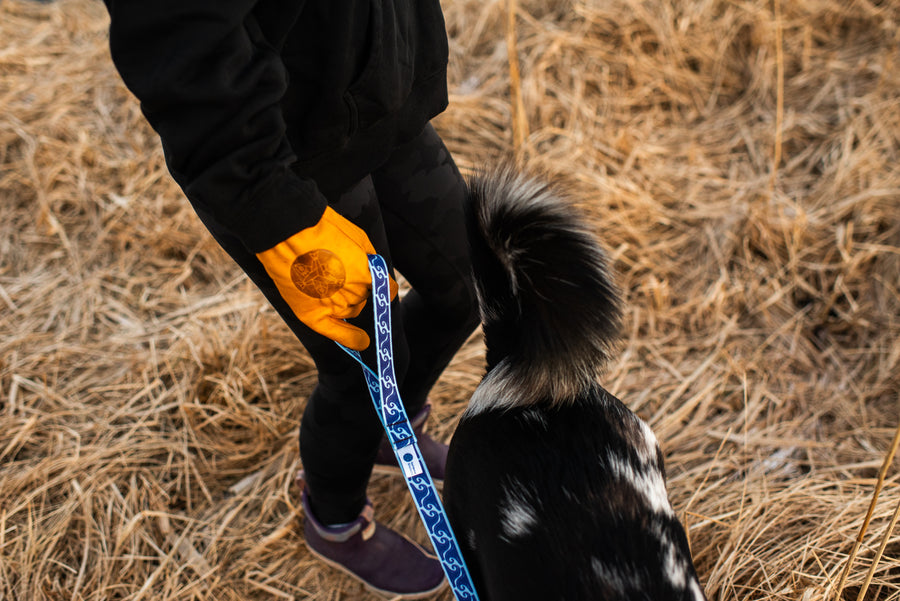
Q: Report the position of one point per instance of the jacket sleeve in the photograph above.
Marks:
(211, 86)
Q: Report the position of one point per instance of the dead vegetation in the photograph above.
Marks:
(741, 160)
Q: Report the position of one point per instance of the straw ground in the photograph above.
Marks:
(740, 159)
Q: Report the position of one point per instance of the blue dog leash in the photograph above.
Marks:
(388, 406)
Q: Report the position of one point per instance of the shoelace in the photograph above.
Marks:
(388, 406)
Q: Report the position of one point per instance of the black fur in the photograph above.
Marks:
(554, 488)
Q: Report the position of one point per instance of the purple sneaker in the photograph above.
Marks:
(434, 452)
(385, 561)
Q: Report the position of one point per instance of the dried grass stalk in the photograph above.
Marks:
(150, 399)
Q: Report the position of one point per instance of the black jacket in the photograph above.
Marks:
(261, 105)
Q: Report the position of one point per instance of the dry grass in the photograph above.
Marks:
(741, 158)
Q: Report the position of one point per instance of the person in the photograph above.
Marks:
(300, 133)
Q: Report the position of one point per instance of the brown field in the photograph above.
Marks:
(742, 161)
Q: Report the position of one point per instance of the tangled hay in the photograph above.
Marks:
(742, 160)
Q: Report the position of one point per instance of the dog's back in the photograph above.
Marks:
(554, 488)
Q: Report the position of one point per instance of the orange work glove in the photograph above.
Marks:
(323, 274)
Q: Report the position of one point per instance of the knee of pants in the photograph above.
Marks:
(342, 431)
(459, 308)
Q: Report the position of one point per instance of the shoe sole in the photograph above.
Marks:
(374, 589)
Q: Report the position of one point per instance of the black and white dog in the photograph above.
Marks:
(555, 489)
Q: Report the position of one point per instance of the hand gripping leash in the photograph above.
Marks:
(384, 393)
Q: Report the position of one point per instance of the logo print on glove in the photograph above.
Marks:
(318, 273)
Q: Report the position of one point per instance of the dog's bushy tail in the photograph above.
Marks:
(549, 309)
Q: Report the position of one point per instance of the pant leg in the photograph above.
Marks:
(422, 195)
(340, 431)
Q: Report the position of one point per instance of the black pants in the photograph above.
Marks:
(411, 209)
